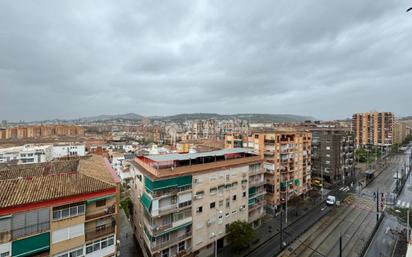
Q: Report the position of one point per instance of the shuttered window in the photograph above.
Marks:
(67, 233)
(5, 224)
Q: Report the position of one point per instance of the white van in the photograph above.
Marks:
(330, 200)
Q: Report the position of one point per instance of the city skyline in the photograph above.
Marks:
(321, 59)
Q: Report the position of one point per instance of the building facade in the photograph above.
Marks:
(184, 202)
(42, 131)
(373, 128)
(287, 161)
(65, 208)
(400, 131)
(332, 155)
(26, 154)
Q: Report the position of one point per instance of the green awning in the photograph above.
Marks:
(31, 245)
(146, 201)
(252, 201)
(252, 190)
(152, 186)
(99, 198)
(297, 182)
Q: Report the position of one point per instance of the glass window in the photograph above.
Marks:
(80, 209)
(101, 203)
(89, 249)
(57, 215)
(181, 246)
(73, 211)
(212, 205)
(65, 213)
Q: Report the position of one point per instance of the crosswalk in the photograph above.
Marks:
(344, 189)
(403, 204)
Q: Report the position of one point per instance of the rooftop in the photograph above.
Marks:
(26, 184)
(172, 165)
(191, 156)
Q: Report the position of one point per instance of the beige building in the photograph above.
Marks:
(42, 131)
(400, 131)
(373, 128)
(183, 202)
(64, 208)
(287, 161)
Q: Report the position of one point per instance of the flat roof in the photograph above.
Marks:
(188, 156)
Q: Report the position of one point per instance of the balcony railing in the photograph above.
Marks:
(31, 230)
(173, 240)
(108, 211)
(99, 232)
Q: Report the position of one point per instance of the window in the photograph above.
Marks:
(234, 197)
(234, 185)
(213, 190)
(199, 194)
(67, 211)
(244, 194)
(227, 186)
(227, 214)
(199, 209)
(212, 205)
(71, 253)
(67, 233)
(99, 244)
(101, 203)
(328, 148)
(227, 202)
(5, 254)
(181, 246)
(227, 177)
(220, 203)
(165, 253)
(234, 212)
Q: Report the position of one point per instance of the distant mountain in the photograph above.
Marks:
(103, 117)
(251, 117)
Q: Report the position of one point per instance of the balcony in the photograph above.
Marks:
(100, 232)
(31, 230)
(256, 194)
(257, 205)
(156, 246)
(256, 183)
(173, 208)
(102, 214)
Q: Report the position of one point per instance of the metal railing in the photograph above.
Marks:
(159, 245)
(30, 230)
(108, 211)
(99, 232)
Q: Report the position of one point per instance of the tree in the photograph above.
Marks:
(361, 155)
(240, 234)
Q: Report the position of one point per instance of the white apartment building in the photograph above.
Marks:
(64, 150)
(27, 154)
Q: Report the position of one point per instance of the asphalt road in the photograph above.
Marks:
(353, 221)
(384, 181)
(272, 246)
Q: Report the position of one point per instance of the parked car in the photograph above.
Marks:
(330, 200)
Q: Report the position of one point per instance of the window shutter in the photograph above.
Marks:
(60, 235)
(77, 230)
(5, 224)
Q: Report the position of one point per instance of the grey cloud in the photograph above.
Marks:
(81, 58)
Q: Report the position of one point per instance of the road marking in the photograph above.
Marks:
(323, 208)
(403, 204)
(399, 202)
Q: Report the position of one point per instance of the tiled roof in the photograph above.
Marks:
(21, 184)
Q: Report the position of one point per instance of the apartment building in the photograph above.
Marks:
(332, 155)
(400, 131)
(68, 150)
(184, 202)
(373, 128)
(42, 131)
(64, 208)
(287, 161)
(27, 154)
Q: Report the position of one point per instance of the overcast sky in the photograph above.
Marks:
(324, 58)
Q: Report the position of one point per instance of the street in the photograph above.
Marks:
(384, 182)
(128, 245)
(353, 220)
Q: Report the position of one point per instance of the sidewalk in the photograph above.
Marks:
(271, 226)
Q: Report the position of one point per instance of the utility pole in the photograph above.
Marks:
(340, 244)
(286, 209)
(281, 229)
(377, 206)
(397, 181)
(407, 226)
